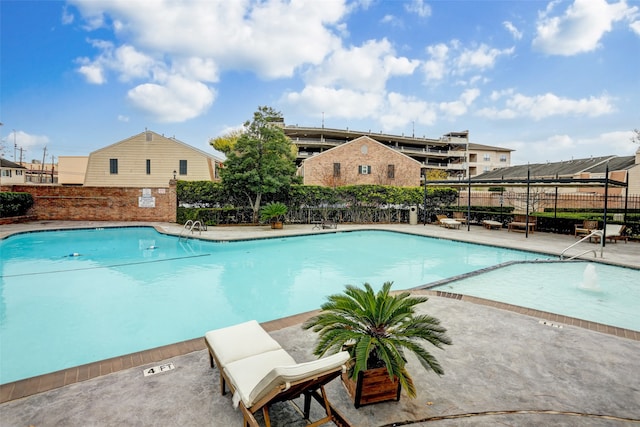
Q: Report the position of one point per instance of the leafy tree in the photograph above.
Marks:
(262, 161)
(636, 136)
(436, 175)
(226, 142)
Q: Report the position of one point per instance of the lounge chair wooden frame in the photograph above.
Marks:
(585, 228)
(613, 238)
(520, 223)
(447, 222)
(311, 387)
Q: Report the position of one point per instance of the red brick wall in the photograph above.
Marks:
(99, 203)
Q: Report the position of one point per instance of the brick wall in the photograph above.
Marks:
(101, 203)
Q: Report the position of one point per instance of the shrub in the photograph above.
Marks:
(14, 204)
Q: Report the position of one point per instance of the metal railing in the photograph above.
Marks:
(589, 236)
(189, 227)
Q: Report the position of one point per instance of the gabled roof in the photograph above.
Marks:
(173, 139)
(358, 139)
(7, 164)
(567, 168)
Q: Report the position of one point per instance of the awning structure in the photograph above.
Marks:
(535, 182)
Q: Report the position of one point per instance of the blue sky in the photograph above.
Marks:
(552, 80)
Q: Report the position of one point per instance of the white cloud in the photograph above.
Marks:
(25, 141)
(271, 38)
(392, 20)
(453, 59)
(419, 8)
(435, 68)
(162, 41)
(92, 72)
(175, 100)
(547, 105)
(122, 118)
(458, 108)
(563, 147)
(580, 28)
(344, 103)
(480, 58)
(400, 110)
(363, 68)
(67, 18)
(635, 27)
(517, 34)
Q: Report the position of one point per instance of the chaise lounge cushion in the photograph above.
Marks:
(254, 377)
(240, 341)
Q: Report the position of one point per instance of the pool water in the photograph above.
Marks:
(597, 292)
(73, 297)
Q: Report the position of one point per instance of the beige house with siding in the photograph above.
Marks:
(361, 161)
(149, 160)
(11, 173)
(72, 169)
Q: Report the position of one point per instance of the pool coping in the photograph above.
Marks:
(39, 384)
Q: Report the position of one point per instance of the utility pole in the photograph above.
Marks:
(14, 145)
(44, 155)
(52, 166)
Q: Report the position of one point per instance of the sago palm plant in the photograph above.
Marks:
(377, 329)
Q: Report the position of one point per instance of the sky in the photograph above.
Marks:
(552, 80)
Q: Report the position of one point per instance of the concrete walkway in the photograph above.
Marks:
(503, 368)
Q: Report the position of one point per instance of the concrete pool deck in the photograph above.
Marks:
(504, 367)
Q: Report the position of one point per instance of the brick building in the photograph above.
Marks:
(361, 161)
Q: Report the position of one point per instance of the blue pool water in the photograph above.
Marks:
(596, 292)
(74, 297)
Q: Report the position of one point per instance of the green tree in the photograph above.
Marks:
(262, 161)
(378, 329)
(227, 142)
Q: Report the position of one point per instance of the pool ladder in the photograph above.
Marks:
(188, 227)
(595, 253)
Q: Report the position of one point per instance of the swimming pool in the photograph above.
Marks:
(79, 296)
(597, 292)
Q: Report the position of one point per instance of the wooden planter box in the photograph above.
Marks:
(277, 225)
(372, 386)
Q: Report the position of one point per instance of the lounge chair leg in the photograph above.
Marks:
(307, 405)
(211, 360)
(265, 413)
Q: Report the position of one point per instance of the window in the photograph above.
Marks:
(148, 166)
(336, 169)
(486, 169)
(6, 172)
(487, 158)
(391, 171)
(183, 167)
(18, 173)
(503, 157)
(113, 166)
(364, 169)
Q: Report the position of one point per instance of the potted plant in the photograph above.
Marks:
(377, 330)
(274, 213)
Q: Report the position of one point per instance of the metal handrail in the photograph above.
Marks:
(589, 236)
(193, 225)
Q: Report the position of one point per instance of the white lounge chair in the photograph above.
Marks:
(613, 234)
(260, 372)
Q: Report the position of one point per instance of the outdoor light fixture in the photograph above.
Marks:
(174, 174)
